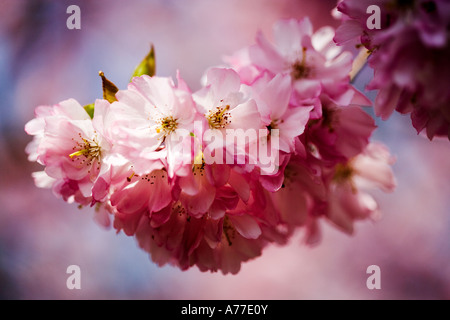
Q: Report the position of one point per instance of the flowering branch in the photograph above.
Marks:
(275, 142)
(409, 56)
(359, 63)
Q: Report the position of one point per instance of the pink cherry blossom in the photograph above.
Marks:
(212, 244)
(69, 109)
(225, 108)
(272, 97)
(408, 56)
(140, 195)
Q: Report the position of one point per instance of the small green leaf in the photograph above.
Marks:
(147, 65)
(191, 134)
(90, 109)
(109, 88)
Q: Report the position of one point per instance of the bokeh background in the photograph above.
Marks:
(42, 62)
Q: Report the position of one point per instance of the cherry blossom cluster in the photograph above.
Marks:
(409, 54)
(275, 141)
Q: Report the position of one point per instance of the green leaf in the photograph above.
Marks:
(90, 109)
(147, 65)
(109, 88)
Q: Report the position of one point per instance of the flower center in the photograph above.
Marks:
(429, 6)
(229, 232)
(167, 125)
(290, 176)
(401, 4)
(272, 125)
(299, 68)
(219, 118)
(86, 151)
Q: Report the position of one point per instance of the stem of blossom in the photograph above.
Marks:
(359, 63)
(130, 177)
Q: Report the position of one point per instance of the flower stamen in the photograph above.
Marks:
(220, 118)
(228, 230)
(299, 69)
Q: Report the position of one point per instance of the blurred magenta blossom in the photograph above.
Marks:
(187, 206)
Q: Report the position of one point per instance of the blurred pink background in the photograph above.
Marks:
(42, 62)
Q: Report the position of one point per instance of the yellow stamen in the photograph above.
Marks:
(299, 69)
(227, 107)
(228, 230)
(89, 151)
(359, 63)
(130, 177)
(344, 172)
(79, 153)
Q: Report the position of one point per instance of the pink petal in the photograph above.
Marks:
(276, 95)
(245, 116)
(292, 204)
(102, 217)
(131, 199)
(158, 91)
(42, 180)
(222, 82)
(35, 126)
(307, 89)
(349, 30)
(294, 121)
(199, 203)
(213, 232)
(226, 199)
(374, 168)
(73, 110)
(288, 35)
(240, 184)
(181, 84)
(160, 195)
